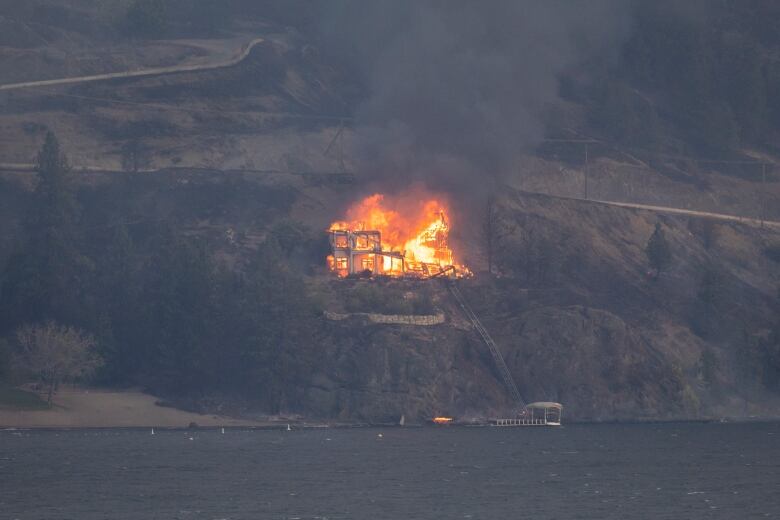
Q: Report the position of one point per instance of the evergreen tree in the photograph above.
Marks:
(46, 278)
(178, 317)
(658, 252)
(279, 353)
(117, 287)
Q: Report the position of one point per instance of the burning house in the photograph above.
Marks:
(416, 242)
(357, 251)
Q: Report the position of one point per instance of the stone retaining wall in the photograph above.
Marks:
(396, 319)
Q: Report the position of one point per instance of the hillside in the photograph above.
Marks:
(196, 249)
(572, 311)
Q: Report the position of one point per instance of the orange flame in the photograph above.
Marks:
(418, 232)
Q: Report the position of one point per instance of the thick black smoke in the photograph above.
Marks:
(457, 89)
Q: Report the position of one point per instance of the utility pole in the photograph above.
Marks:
(584, 141)
(339, 142)
(586, 171)
(763, 194)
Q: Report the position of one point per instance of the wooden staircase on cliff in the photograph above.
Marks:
(509, 381)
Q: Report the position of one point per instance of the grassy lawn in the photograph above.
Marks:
(16, 399)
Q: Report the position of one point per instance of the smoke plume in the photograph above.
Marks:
(457, 89)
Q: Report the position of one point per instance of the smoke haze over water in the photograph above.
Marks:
(458, 89)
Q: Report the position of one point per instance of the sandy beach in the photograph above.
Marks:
(90, 408)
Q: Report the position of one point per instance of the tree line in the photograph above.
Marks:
(157, 311)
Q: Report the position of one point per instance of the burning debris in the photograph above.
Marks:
(385, 241)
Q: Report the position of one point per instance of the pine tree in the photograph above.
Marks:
(117, 284)
(46, 276)
(179, 316)
(658, 252)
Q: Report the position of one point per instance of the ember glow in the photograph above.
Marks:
(396, 237)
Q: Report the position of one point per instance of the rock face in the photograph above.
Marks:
(376, 373)
(578, 322)
(588, 359)
(592, 361)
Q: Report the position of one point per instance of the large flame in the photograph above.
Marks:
(417, 231)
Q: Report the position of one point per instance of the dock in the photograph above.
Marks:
(543, 413)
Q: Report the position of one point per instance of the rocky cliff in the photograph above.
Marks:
(579, 321)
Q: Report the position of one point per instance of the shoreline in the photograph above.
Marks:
(76, 408)
(89, 408)
(258, 426)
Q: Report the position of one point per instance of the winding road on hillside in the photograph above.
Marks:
(670, 210)
(241, 54)
(678, 211)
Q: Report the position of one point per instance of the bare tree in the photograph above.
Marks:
(55, 353)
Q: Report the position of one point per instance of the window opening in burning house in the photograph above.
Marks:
(392, 242)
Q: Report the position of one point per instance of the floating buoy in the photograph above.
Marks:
(380, 435)
(192, 438)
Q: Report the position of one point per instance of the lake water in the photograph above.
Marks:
(666, 471)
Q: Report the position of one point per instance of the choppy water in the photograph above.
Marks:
(671, 471)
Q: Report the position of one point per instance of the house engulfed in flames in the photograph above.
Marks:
(389, 242)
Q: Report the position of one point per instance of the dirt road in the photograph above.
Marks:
(240, 55)
(670, 210)
(678, 211)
